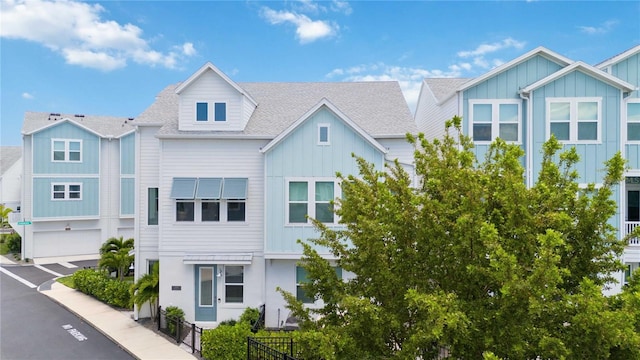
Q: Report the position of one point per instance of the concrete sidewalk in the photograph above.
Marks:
(136, 339)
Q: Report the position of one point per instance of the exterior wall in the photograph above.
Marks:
(210, 87)
(300, 156)
(431, 117)
(11, 186)
(174, 274)
(629, 71)
(42, 154)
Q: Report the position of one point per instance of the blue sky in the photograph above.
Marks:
(113, 57)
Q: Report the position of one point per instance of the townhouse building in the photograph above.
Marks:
(77, 184)
(595, 109)
(10, 176)
(228, 174)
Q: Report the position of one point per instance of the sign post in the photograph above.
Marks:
(24, 232)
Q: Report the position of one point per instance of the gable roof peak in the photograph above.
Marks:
(617, 58)
(208, 66)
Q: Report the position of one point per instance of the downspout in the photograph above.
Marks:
(526, 98)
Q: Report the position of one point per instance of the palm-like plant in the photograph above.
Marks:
(114, 254)
(4, 216)
(147, 289)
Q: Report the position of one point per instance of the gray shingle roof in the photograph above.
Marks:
(102, 125)
(8, 156)
(442, 88)
(379, 108)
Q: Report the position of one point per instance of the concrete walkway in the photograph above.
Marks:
(136, 339)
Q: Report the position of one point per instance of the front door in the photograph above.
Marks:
(205, 301)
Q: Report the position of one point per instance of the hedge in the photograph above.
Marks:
(103, 288)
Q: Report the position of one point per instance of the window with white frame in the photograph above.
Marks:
(574, 119)
(233, 284)
(633, 120)
(491, 119)
(311, 198)
(65, 150)
(203, 109)
(66, 191)
(210, 199)
(323, 134)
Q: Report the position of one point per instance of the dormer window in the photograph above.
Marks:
(219, 111)
(323, 134)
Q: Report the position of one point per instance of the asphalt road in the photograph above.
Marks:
(34, 327)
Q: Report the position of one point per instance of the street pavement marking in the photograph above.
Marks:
(74, 332)
(17, 278)
(68, 265)
(47, 270)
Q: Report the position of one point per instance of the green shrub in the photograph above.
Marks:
(226, 342)
(14, 242)
(102, 287)
(174, 313)
(250, 316)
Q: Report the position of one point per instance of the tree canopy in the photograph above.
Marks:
(471, 262)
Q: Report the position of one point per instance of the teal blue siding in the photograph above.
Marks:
(44, 207)
(629, 71)
(128, 155)
(506, 85)
(127, 196)
(299, 155)
(593, 156)
(42, 151)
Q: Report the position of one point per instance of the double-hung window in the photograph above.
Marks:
(302, 278)
(633, 120)
(311, 198)
(65, 150)
(233, 284)
(574, 119)
(491, 119)
(66, 191)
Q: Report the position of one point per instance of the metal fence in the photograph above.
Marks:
(270, 348)
(181, 331)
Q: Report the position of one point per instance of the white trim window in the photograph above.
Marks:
(324, 134)
(66, 191)
(491, 119)
(217, 112)
(575, 120)
(234, 284)
(633, 120)
(66, 150)
(311, 198)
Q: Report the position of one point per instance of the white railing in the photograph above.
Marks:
(629, 226)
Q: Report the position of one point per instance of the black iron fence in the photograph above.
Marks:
(271, 348)
(180, 330)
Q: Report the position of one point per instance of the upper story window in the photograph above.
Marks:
(66, 191)
(323, 134)
(203, 111)
(152, 206)
(65, 150)
(491, 119)
(574, 119)
(311, 198)
(210, 199)
(633, 120)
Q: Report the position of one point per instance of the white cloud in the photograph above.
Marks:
(26, 95)
(490, 48)
(604, 28)
(341, 7)
(77, 32)
(307, 30)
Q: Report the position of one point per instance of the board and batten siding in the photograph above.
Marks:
(300, 156)
(45, 207)
(220, 159)
(629, 71)
(42, 150)
(577, 84)
(211, 88)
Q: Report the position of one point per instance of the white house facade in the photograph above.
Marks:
(11, 177)
(229, 172)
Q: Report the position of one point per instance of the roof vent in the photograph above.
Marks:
(79, 115)
(130, 119)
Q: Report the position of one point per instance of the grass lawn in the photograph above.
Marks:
(67, 281)
(4, 249)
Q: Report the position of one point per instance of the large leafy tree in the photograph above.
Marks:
(471, 263)
(115, 254)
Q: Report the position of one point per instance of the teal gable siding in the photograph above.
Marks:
(572, 85)
(127, 196)
(42, 150)
(506, 85)
(299, 155)
(45, 207)
(127, 155)
(629, 71)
